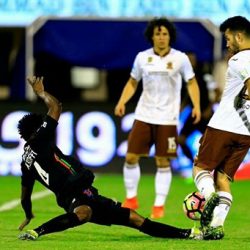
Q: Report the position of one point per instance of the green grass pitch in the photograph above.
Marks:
(95, 237)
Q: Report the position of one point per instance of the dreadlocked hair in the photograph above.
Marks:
(29, 124)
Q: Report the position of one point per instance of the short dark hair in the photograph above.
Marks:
(236, 23)
(158, 22)
(29, 124)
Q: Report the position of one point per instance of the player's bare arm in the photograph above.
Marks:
(54, 106)
(27, 206)
(194, 93)
(127, 93)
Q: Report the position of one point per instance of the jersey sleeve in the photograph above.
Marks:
(136, 71)
(187, 71)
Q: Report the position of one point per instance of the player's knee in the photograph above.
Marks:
(132, 158)
(135, 220)
(162, 162)
(83, 213)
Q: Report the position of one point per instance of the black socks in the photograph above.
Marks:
(157, 229)
(152, 228)
(58, 224)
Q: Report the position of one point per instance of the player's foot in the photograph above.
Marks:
(213, 233)
(207, 214)
(196, 234)
(28, 235)
(157, 212)
(131, 203)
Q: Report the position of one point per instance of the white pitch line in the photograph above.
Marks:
(14, 203)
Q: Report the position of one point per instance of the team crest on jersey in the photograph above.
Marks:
(169, 65)
(150, 59)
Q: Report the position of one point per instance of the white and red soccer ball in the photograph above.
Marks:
(193, 205)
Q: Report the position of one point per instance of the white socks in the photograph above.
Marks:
(221, 211)
(163, 180)
(205, 183)
(131, 176)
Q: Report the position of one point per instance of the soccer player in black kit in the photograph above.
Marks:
(71, 183)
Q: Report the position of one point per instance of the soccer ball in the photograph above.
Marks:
(193, 205)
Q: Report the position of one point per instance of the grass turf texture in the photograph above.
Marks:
(95, 237)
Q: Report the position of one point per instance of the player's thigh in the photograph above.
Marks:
(235, 158)
(104, 211)
(140, 138)
(166, 141)
(217, 150)
(214, 148)
(107, 212)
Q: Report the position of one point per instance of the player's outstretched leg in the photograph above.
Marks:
(57, 224)
(207, 213)
(157, 229)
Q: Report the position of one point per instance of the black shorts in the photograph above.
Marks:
(105, 211)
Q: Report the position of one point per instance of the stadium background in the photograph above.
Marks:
(85, 51)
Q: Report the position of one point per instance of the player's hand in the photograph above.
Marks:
(25, 223)
(120, 109)
(37, 84)
(196, 114)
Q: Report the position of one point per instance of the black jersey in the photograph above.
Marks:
(43, 161)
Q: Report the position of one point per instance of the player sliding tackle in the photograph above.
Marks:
(65, 176)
